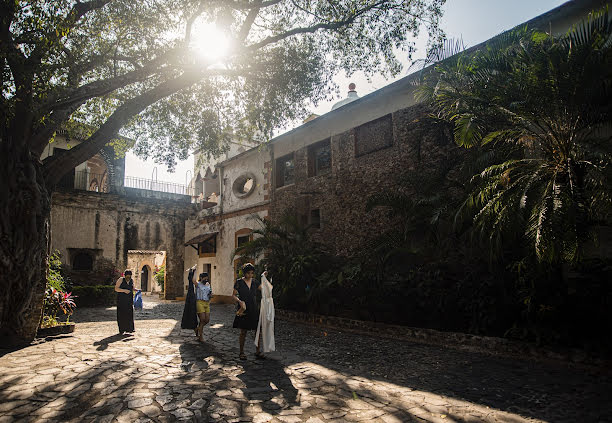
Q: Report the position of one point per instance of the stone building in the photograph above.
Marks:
(98, 216)
(144, 264)
(325, 170)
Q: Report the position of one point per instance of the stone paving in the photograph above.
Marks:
(163, 374)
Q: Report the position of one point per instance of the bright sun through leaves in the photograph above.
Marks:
(209, 42)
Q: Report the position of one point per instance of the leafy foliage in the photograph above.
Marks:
(542, 106)
(56, 301)
(54, 275)
(95, 67)
(292, 258)
(95, 295)
(160, 276)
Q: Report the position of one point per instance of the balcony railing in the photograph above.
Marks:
(87, 181)
(152, 185)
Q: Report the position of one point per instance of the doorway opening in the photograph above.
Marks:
(149, 270)
(144, 278)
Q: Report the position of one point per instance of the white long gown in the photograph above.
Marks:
(265, 327)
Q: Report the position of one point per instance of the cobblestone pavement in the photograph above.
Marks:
(163, 374)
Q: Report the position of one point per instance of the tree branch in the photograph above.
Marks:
(248, 23)
(57, 166)
(191, 20)
(248, 6)
(52, 36)
(314, 28)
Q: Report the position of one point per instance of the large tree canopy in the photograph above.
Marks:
(113, 64)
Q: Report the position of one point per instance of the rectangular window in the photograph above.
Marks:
(373, 136)
(285, 171)
(243, 240)
(319, 158)
(315, 218)
(208, 248)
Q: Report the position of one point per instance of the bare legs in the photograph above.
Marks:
(204, 319)
(243, 333)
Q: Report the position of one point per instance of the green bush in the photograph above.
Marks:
(159, 276)
(94, 296)
(54, 276)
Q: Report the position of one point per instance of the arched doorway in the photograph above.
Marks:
(144, 278)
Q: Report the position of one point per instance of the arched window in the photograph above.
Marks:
(82, 261)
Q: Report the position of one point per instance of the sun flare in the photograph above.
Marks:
(209, 42)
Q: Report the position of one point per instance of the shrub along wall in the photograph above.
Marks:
(94, 296)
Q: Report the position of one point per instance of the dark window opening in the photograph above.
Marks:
(208, 248)
(319, 158)
(373, 136)
(315, 218)
(243, 240)
(82, 261)
(285, 171)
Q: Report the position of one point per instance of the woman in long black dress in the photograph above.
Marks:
(125, 305)
(190, 317)
(245, 293)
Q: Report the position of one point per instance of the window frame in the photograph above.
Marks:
(388, 117)
(243, 233)
(280, 170)
(202, 253)
(78, 254)
(311, 219)
(313, 169)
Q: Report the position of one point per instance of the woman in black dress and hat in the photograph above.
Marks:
(247, 317)
(125, 305)
(190, 317)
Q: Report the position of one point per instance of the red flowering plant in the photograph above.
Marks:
(56, 300)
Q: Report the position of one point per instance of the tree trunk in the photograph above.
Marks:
(24, 234)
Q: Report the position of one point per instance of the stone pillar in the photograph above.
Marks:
(175, 260)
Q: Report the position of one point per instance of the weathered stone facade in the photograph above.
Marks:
(337, 199)
(234, 217)
(372, 142)
(94, 232)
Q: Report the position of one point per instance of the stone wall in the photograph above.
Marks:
(456, 340)
(341, 195)
(104, 227)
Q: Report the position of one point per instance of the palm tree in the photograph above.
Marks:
(286, 248)
(541, 106)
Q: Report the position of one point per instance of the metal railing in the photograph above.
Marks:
(153, 185)
(87, 181)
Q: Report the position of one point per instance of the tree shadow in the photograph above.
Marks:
(172, 377)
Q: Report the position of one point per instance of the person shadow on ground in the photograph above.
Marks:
(104, 343)
(267, 381)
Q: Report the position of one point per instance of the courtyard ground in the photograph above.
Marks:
(163, 374)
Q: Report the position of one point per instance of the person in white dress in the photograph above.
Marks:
(265, 327)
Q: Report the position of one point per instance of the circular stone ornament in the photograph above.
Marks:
(244, 185)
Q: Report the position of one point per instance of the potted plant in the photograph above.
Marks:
(56, 300)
